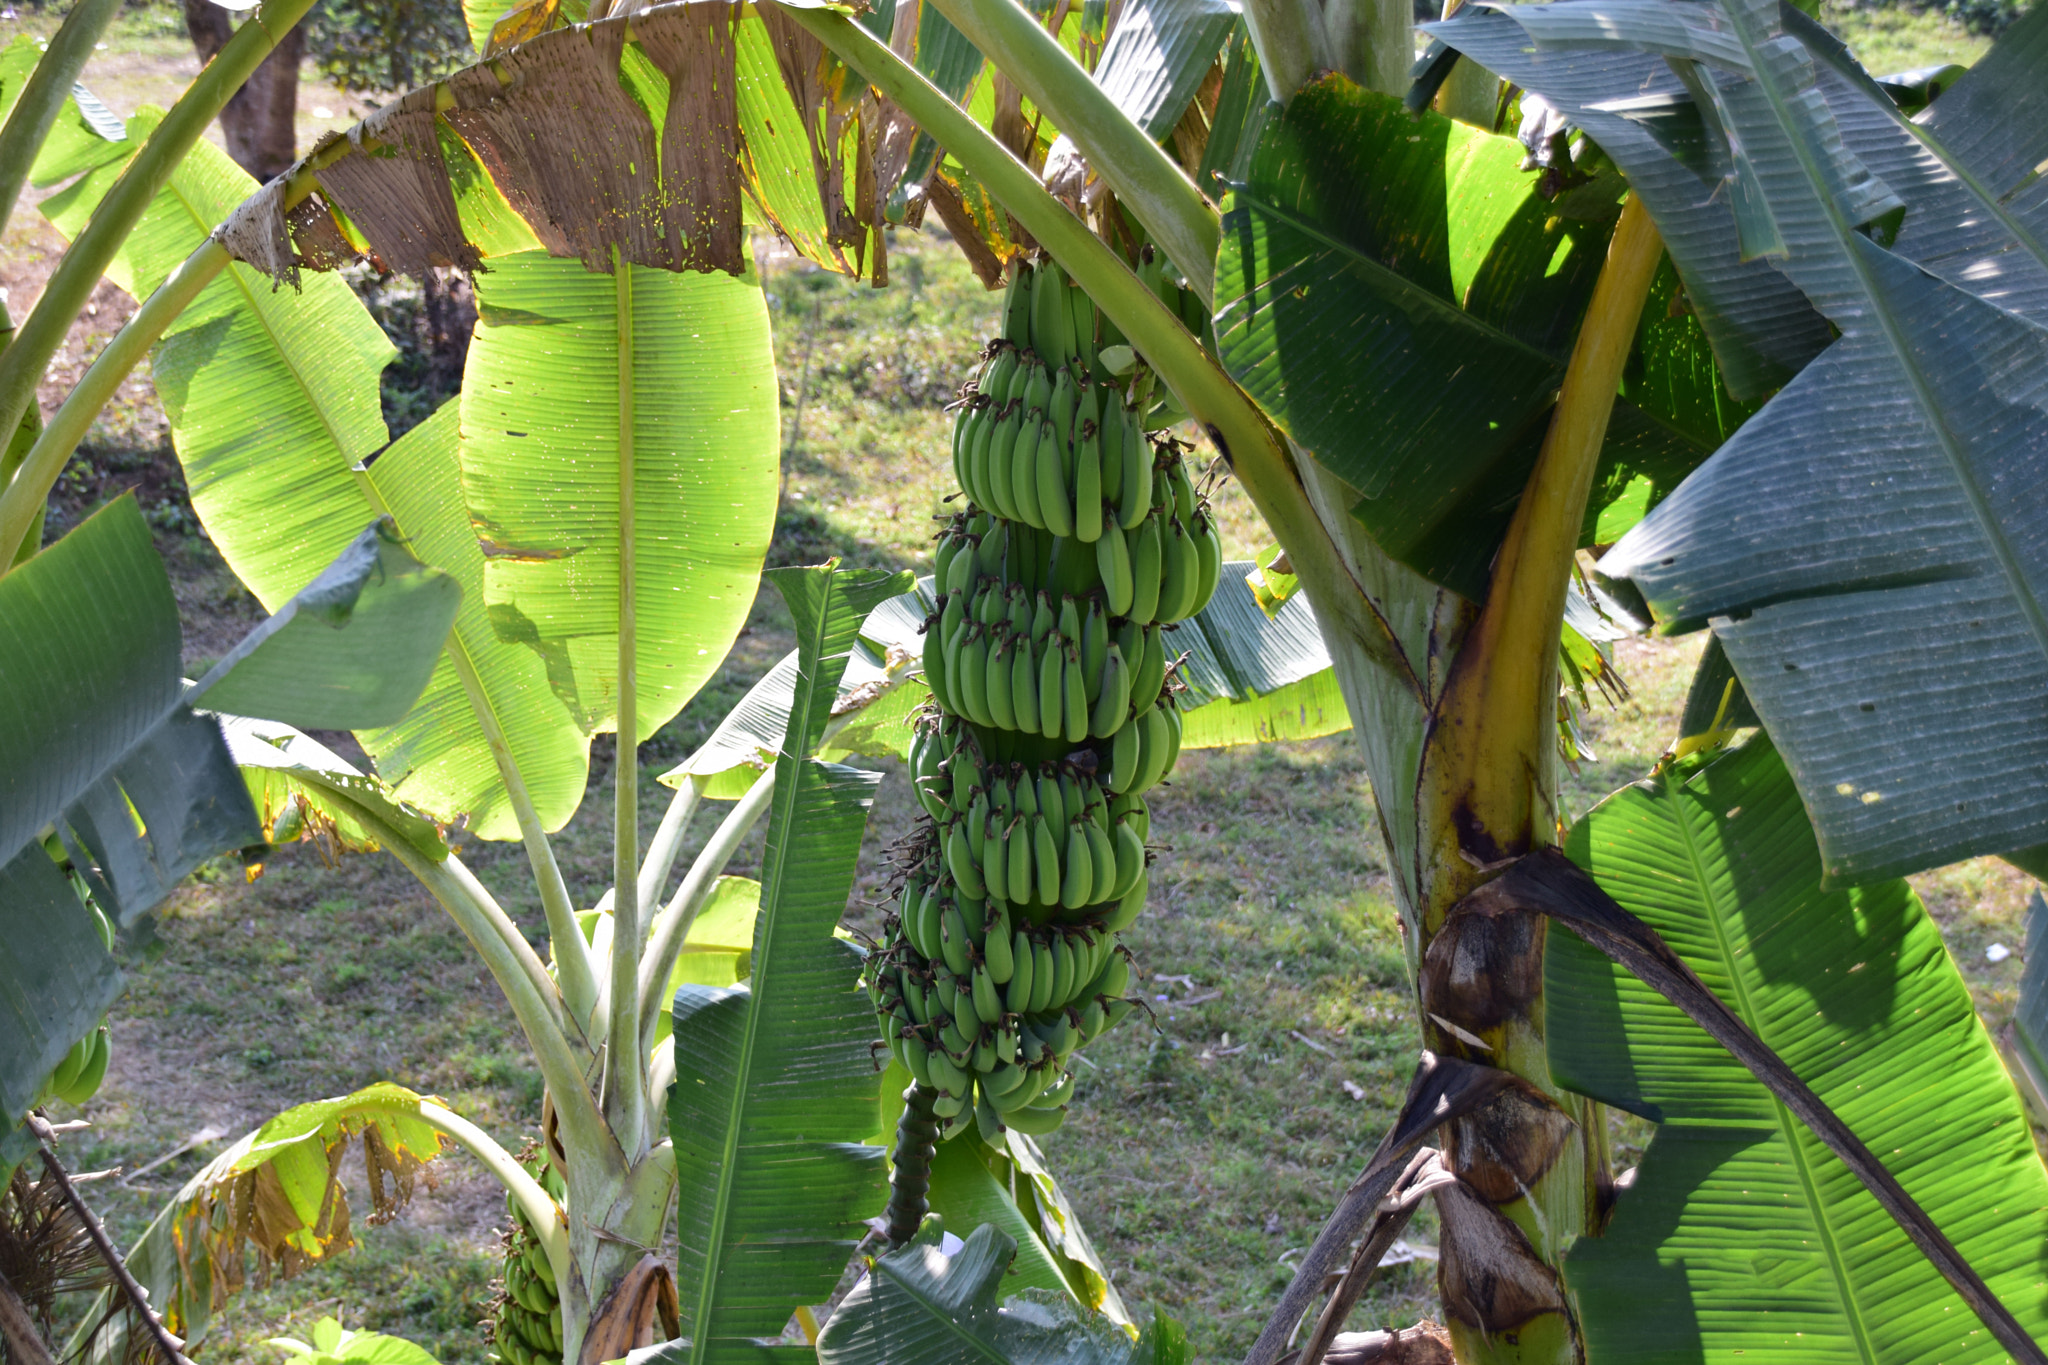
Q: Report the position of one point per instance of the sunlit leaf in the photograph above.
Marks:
(1741, 1227)
(561, 357)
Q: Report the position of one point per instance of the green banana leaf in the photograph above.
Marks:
(1399, 297)
(273, 401)
(308, 666)
(2030, 1020)
(966, 1193)
(872, 700)
(1157, 54)
(279, 1193)
(562, 357)
(1761, 329)
(98, 736)
(775, 1086)
(922, 1306)
(1740, 1228)
(1870, 547)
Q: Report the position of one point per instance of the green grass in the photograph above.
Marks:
(1202, 1154)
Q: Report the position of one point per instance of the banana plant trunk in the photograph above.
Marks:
(1462, 759)
(1460, 746)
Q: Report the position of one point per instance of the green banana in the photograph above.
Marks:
(1046, 858)
(1102, 852)
(1180, 578)
(1088, 504)
(997, 686)
(1147, 569)
(1017, 299)
(953, 941)
(987, 1003)
(1126, 750)
(1052, 324)
(1094, 649)
(1026, 487)
(1018, 994)
(1150, 674)
(1002, 456)
(1113, 562)
(972, 675)
(1079, 879)
(1018, 853)
(86, 1083)
(1051, 687)
(961, 862)
(1035, 1122)
(1043, 964)
(1209, 559)
(1130, 859)
(1113, 707)
(1074, 705)
(1054, 503)
(997, 945)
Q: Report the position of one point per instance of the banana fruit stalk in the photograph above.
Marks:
(526, 1324)
(1050, 661)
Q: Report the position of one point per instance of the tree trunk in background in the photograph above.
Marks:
(259, 119)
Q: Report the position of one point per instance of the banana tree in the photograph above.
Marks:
(1500, 397)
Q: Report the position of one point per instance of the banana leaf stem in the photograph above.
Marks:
(668, 838)
(535, 1202)
(22, 364)
(672, 925)
(1146, 180)
(625, 1058)
(44, 93)
(1492, 733)
(1256, 452)
(1291, 42)
(535, 1002)
(22, 501)
(573, 966)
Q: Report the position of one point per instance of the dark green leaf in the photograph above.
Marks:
(1741, 1226)
(353, 649)
(919, 1306)
(1158, 54)
(1762, 330)
(775, 1085)
(56, 976)
(1396, 294)
(1873, 547)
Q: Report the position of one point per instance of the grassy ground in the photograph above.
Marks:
(1202, 1156)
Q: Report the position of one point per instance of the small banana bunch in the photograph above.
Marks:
(528, 1327)
(1085, 542)
(77, 1077)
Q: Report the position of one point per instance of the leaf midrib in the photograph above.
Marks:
(1789, 1128)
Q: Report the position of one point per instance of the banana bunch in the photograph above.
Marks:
(1046, 842)
(528, 1326)
(77, 1077)
(992, 1015)
(1054, 680)
(1005, 661)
